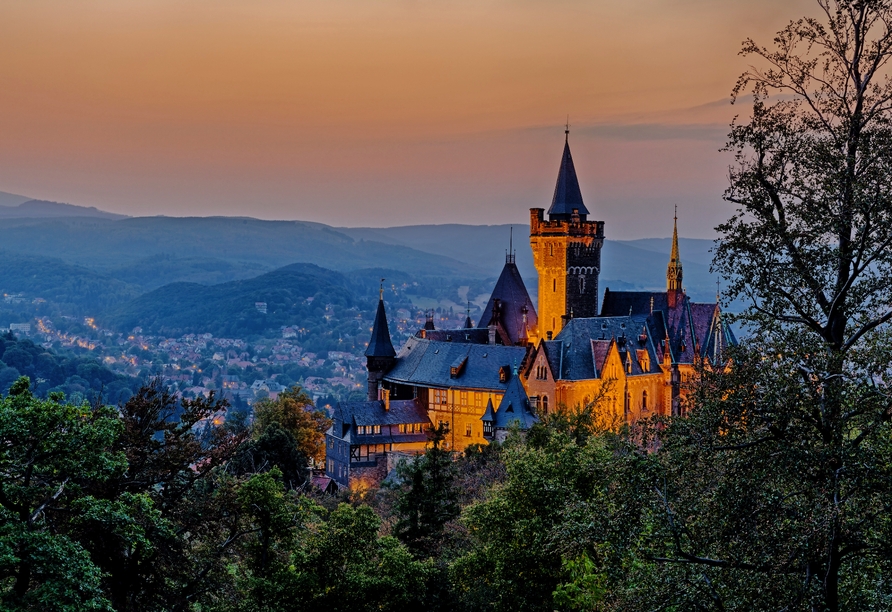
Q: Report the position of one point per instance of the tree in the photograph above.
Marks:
(562, 526)
(294, 411)
(353, 568)
(777, 488)
(48, 448)
(161, 529)
(428, 497)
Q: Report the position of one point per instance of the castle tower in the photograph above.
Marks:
(674, 275)
(566, 251)
(380, 355)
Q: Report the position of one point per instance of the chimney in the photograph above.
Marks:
(492, 334)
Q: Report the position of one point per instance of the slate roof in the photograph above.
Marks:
(380, 344)
(351, 414)
(472, 336)
(514, 407)
(490, 413)
(580, 350)
(513, 297)
(567, 194)
(427, 363)
(689, 326)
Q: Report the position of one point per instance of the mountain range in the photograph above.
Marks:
(92, 262)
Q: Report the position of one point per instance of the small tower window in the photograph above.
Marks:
(554, 285)
(551, 250)
(582, 284)
(644, 400)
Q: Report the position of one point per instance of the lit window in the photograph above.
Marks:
(402, 428)
(463, 396)
(468, 430)
(376, 429)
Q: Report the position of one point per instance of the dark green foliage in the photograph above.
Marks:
(428, 498)
(171, 487)
(77, 377)
(48, 450)
(562, 503)
(276, 449)
(352, 568)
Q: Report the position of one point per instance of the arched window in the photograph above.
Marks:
(644, 400)
(551, 250)
(554, 285)
(582, 284)
(544, 404)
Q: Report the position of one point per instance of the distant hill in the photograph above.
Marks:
(40, 209)
(626, 265)
(159, 270)
(107, 245)
(75, 289)
(294, 295)
(11, 199)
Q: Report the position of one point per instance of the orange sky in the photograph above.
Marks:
(376, 112)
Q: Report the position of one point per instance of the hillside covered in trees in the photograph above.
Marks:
(77, 377)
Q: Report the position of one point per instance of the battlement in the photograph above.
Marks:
(576, 226)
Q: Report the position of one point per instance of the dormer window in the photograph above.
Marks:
(503, 374)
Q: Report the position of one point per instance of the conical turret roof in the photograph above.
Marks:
(567, 194)
(489, 415)
(513, 297)
(380, 344)
(515, 406)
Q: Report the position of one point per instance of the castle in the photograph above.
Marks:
(522, 362)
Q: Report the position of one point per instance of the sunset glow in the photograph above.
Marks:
(376, 113)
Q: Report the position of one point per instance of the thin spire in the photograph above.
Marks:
(509, 256)
(567, 130)
(381, 291)
(674, 274)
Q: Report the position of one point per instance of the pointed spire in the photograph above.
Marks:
(567, 195)
(469, 324)
(674, 274)
(380, 344)
(509, 256)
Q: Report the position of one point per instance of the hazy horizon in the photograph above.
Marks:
(377, 115)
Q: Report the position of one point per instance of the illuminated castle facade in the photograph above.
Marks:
(630, 358)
